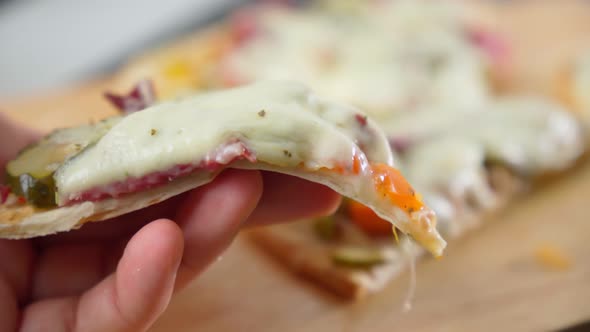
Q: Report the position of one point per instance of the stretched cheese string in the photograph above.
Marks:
(407, 247)
(395, 235)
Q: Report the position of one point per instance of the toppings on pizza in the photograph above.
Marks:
(390, 183)
(403, 63)
(398, 55)
(243, 25)
(141, 96)
(299, 134)
(494, 47)
(212, 162)
(358, 256)
(31, 174)
(367, 220)
(327, 228)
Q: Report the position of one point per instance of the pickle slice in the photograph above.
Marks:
(31, 174)
(326, 228)
(358, 257)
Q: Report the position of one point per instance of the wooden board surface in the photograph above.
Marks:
(488, 281)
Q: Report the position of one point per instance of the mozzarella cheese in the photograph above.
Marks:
(448, 147)
(287, 129)
(385, 59)
(531, 134)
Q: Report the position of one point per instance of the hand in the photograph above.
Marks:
(119, 275)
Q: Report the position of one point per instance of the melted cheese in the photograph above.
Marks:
(450, 165)
(387, 58)
(285, 126)
(448, 147)
(530, 134)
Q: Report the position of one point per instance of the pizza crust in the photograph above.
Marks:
(25, 221)
(303, 254)
(300, 250)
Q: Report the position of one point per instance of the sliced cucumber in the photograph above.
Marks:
(31, 174)
(358, 257)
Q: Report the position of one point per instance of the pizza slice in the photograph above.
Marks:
(428, 76)
(467, 164)
(125, 163)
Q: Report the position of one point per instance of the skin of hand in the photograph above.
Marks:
(120, 275)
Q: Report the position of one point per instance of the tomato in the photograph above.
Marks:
(367, 220)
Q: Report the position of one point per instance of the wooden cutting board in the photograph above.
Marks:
(488, 281)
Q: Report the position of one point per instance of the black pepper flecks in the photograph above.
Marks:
(153, 132)
(262, 113)
(287, 153)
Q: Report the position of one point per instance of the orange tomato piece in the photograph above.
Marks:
(390, 183)
(367, 220)
(356, 164)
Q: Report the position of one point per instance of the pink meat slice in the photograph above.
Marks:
(212, 162)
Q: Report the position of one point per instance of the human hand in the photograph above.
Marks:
(119, 275)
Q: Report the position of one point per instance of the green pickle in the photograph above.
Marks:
(357, 257)
(38, 191)
(31, 174)
(326, 228)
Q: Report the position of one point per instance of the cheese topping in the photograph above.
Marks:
(530, 134)
(386, 58)
(447, 147)
(282, 125)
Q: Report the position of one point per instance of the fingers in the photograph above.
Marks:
(209, 216)
(70, 269)
(212, 215)
(122, 227)
(8, 306)
(72, 262)
(16, 264)
(288, 198)
(128, 300)
(141, 288)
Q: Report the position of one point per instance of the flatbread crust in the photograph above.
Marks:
(298, 248)
(25, 221)
(295, 247)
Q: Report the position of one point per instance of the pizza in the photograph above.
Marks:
(125, 163)
(428, 77)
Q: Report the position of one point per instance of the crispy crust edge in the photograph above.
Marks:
(313, 263)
